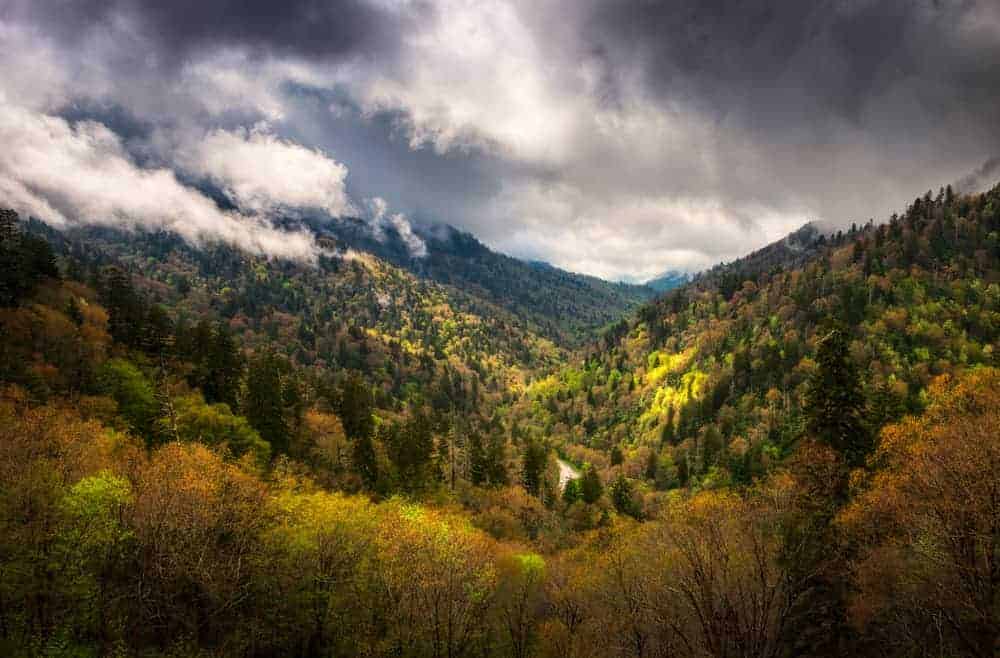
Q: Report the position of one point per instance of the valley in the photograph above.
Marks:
(361, 456)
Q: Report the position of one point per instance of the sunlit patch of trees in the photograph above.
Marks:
(713, 380)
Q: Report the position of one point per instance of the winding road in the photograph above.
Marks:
(566, 473)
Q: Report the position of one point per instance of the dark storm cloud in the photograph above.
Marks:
(778, 64)
(448, 187)
(179, 28)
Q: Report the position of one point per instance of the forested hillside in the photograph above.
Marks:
(206, 453)
(708, 386)
(565, 307)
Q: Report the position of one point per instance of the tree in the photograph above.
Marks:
(411, 447)
(365, 460)
(621, 496)
(496, 460)
(927, 527)
(667, 434)
(355, 407)
(534, 464)
(616, 455)
(477, 459)
(571, 492)
(325, 441)
(126, 311)
(591, 488)
(224, 365)
(215, 425)
(264, 402)
(134, 393)
(520, 599)
(835, 402)
(24, 260)
(721, 584)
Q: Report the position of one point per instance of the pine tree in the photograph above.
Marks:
(223, 365)
(535, 461)
(364, 459)
(477, 459)
(496, 461)
(835, 402)
(355, 408)
(591, 488)
(621, 496)
(264, 402)
(411, 449)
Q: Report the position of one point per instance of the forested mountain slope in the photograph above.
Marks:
(565, 307)
(707, 386)
(205, 453)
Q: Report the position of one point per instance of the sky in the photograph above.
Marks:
(619, 138)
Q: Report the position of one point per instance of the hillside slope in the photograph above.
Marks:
(706, 385)
(566, 307)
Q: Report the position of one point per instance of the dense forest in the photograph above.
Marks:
(208, 453)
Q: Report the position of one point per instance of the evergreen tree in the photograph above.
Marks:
(364, 459)
(591, 488)
(477, 459)
(535, 460)
(496, 460)
(621, 496)
(411, 449)
(224, 366)
(355, 408)
(263, 405)
(24, 260)
(884, 407)
(125, 308)
(835, 402)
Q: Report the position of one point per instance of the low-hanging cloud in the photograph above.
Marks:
(264, 174)
(380, 218)
(65, 174)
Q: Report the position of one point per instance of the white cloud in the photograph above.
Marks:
(474, 78)
(636, 236)
(66, 174)
(379, 217)
(261, 173)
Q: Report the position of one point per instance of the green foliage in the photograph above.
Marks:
(25, 261)
(534, 464)
(270, 401)
(114, 547)
(134, 393)
(411, 447)
(620, 492)
(355, 408)
(571, 492)
(190, 418)
(591, 487)
(722, 369)
(835, 403)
